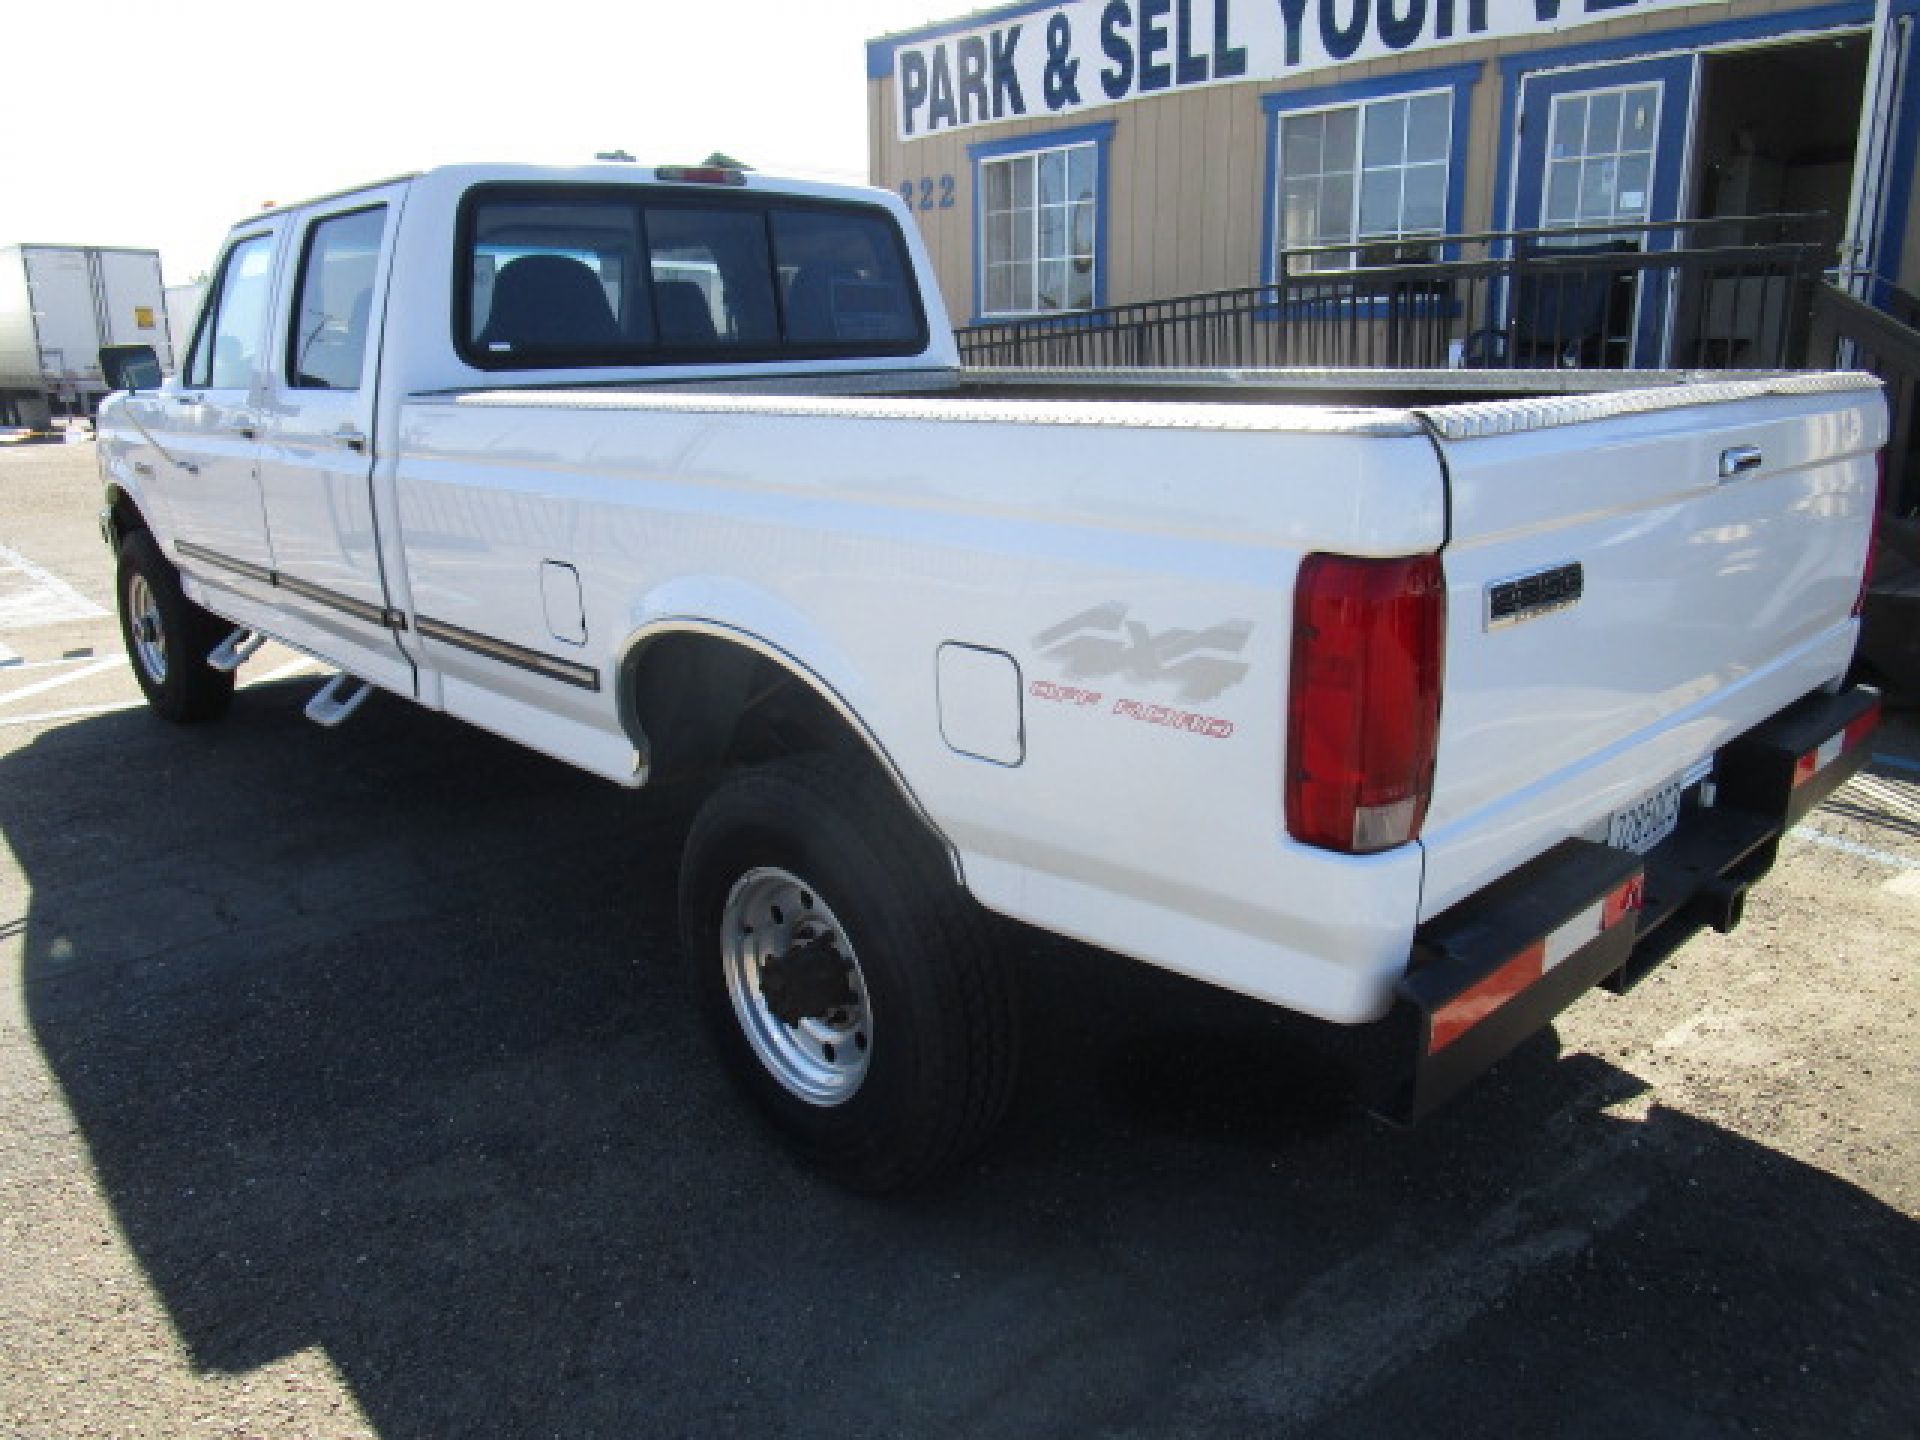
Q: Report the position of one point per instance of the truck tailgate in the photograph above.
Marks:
(1633, 580)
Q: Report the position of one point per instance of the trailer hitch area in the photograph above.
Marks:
(1723, 904)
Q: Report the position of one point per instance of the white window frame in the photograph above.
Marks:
(1035, 258)
(1554, 111)
(1350, 257)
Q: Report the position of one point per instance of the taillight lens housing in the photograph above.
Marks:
(1363, 712)
(1873, 531)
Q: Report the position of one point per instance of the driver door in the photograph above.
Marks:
(209, 423)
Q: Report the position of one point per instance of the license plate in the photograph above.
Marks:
(1649, 820)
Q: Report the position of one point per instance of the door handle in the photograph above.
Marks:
(246, 432)
(352, 438)
(186, 399)
(1740, 460)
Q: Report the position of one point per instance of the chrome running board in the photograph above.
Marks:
(338, 699)
(234, 651)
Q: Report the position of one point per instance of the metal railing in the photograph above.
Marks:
(1722, 293)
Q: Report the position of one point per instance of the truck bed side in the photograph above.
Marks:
(1133, 565)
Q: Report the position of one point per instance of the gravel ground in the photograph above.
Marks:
(350, 1090)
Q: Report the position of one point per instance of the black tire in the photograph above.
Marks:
(944, 1022)
(177, 680)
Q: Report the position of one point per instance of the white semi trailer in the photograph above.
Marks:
(59, 305)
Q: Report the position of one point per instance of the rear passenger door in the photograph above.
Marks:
(318, 438)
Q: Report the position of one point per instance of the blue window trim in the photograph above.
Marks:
(1514, 69)
(1101, 136)
(880, 52)
(1459, 78)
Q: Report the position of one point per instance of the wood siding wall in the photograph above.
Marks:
(1187, 177)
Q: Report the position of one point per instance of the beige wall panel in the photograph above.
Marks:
(1214, 138)
(1159, 200)
(1126, 178)
(1241, 196)
(1194, 219)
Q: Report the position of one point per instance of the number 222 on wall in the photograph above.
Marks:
(926, 187)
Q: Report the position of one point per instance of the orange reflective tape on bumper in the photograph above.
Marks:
(1474, 1004)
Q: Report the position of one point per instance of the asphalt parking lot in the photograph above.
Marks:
(349, 1087)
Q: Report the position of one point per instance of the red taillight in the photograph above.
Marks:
(1873, 531)
(1364, 713)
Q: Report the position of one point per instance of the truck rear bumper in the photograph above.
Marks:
(1499, 965)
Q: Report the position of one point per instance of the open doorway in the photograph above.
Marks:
(1774, 135)
(1776, 131)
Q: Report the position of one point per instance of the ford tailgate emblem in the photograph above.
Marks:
(1529, 596)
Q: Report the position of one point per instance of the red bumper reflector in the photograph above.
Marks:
(1474, 1004)
(1623, 902)
(1484, 996)
(1823, 755)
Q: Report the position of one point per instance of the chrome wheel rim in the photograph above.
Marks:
(774, 921)
(148, 634)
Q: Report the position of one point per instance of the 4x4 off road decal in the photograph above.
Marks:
(1103, 644)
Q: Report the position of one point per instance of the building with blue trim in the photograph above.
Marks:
(1067, 156)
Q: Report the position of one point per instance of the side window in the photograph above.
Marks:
(327, 341)
(227, 345)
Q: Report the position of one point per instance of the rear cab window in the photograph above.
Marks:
(557, 277)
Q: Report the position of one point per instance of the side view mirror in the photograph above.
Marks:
(130, 367)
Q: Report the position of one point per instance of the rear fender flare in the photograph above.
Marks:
(758, 621)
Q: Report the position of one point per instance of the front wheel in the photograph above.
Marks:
(853, 989)
(168, 637)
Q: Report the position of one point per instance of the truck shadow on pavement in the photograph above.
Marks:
(377, 1042)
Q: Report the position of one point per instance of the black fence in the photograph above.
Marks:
(1724, 293)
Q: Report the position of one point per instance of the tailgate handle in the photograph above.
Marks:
(1740, 460)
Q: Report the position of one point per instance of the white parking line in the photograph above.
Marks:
(1852, 847)
(64, 661)
(77, 712)
(97, 667)
(8, 657)
(49, 600)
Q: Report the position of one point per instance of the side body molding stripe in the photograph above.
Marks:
(568, 672)
(319, 594)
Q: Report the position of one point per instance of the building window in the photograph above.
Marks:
(1039, 202)
(1369, 174)
(1600, 156)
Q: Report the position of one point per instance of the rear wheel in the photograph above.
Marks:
(853, 989)
(168, 637)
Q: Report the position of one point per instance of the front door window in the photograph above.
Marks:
(226, 351)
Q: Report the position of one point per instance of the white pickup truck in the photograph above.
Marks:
(1424, 699)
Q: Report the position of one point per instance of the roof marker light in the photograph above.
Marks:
(699, 175)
